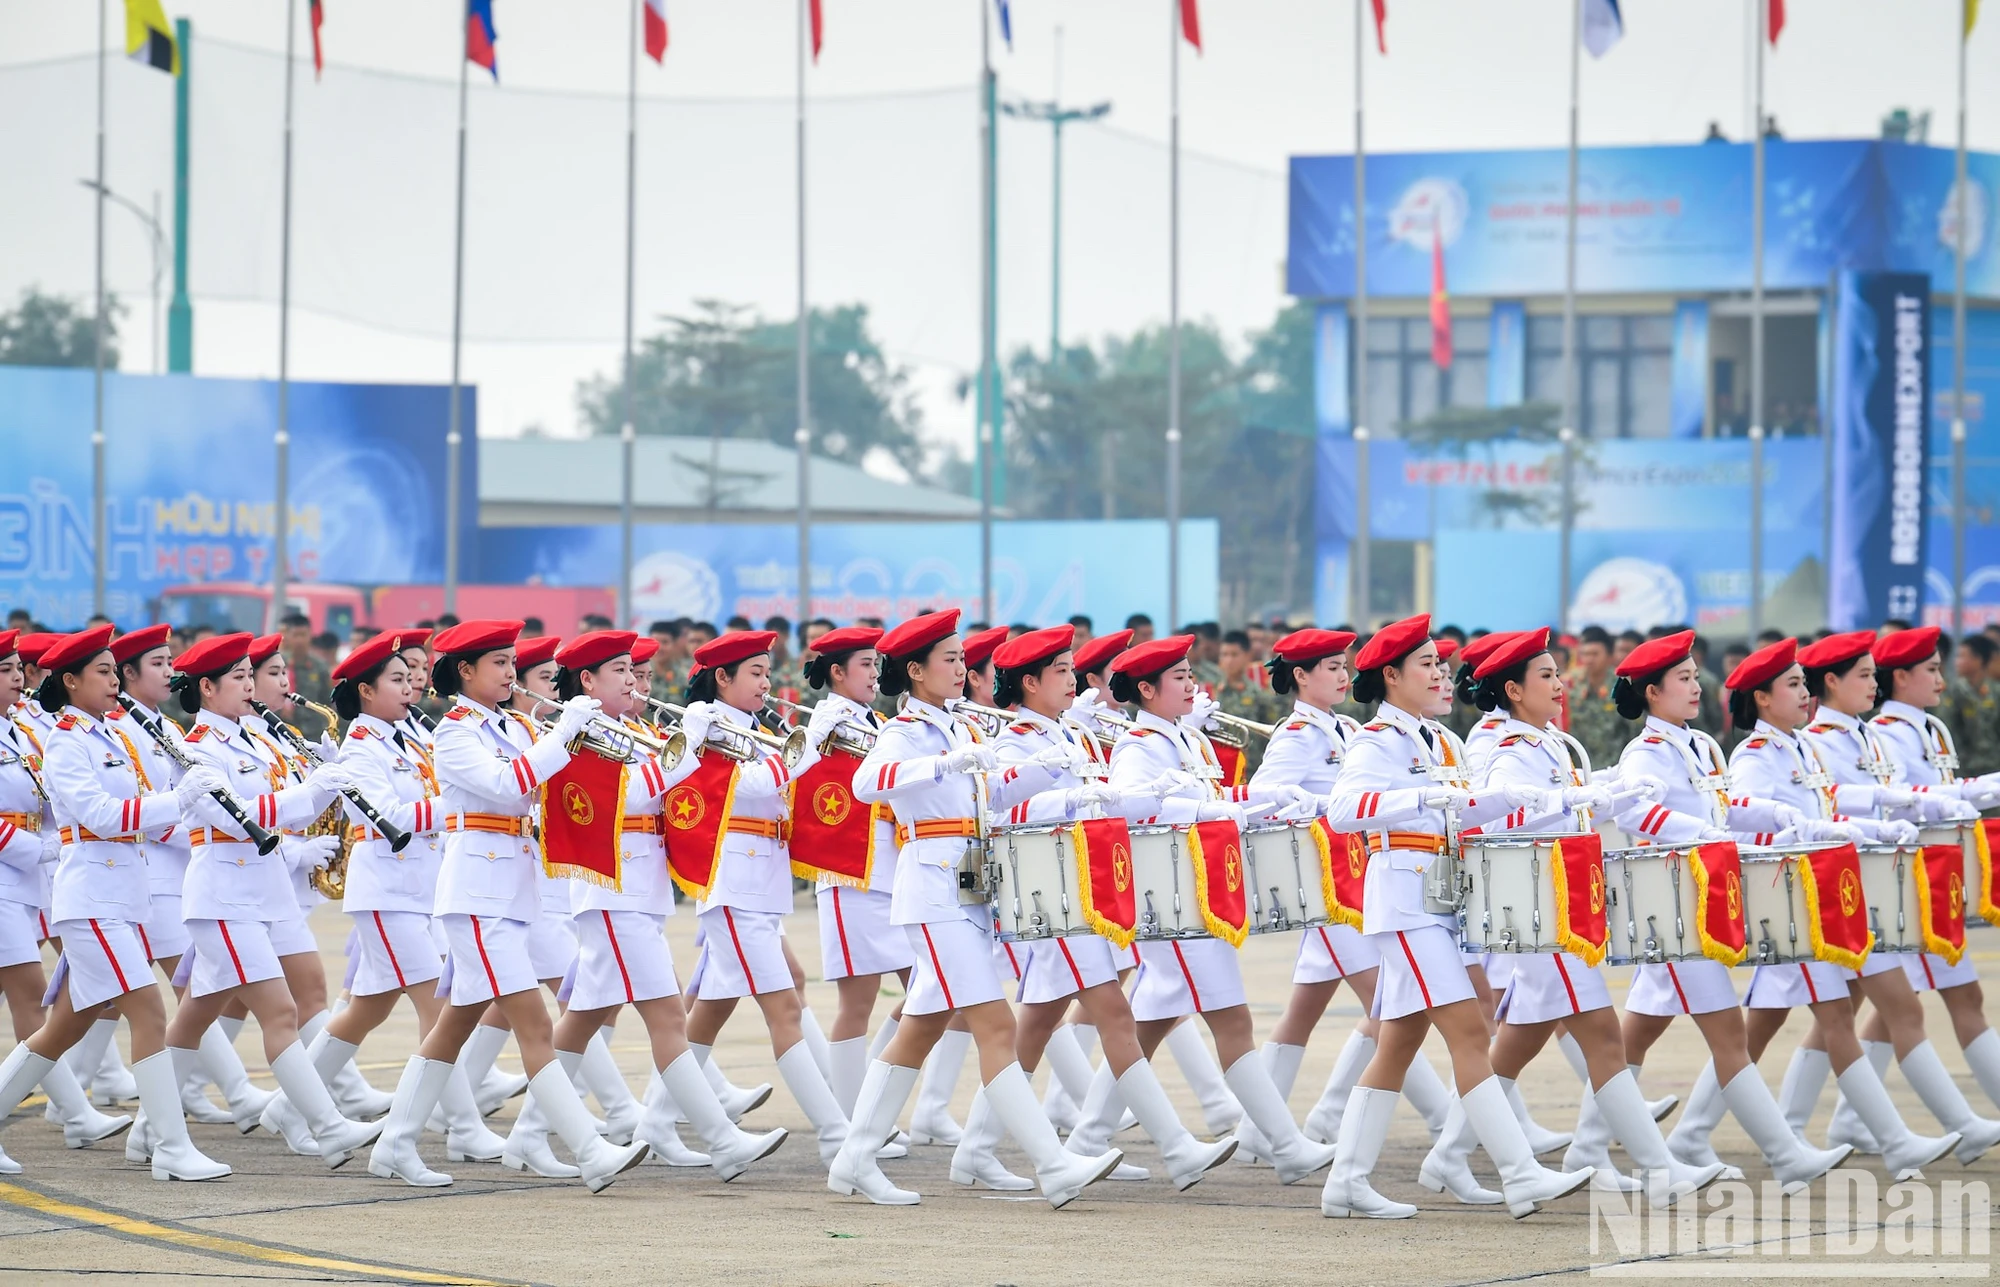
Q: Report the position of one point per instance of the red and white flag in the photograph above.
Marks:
(656, 29)
(1776, 20)
(1381, 19)
(1440, 300)
(819, 27)
(1191, 24)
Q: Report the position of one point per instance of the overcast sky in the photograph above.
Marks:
(1276, 77)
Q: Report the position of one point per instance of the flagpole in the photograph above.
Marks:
(1569, 400)
(281, 507)
(989, 415)
(454, 437)
(802, 436)
(1360, 570)
(1174, 324)
(628, 432)
(1756, 616)
(1958, 347)
(98, 535)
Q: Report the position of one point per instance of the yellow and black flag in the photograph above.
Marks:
(149, 37)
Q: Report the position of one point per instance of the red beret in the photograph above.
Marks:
(1656, 655)
(409, 637)
(7, 638)
(476, 636)
(137, 643)
(1446, 646)
(918, 633)
(1906, 647)
(1509, 650)
(32, 646)
(1304, 647)
(727, 650)
(846, 639)
(536, 650)
(1835, 649)
(68, 650)
(366, 657)
(644, 649)
(979, 646)
(592, 649)
(1153, 656)
(1394, 642)
(264, 647)
(213, 655)
(1767, 663)
(1036, 648)
(1095, 655)
(1477, 650)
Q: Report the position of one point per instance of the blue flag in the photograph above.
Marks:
(1603, 26)
(1006, 23)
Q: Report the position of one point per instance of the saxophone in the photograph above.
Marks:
(330, 880)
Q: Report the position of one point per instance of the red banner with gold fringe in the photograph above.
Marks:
(1104, 878)
(1941, 900)
(1718, 884)
(1836, 910)
(833, 834)
(1216, 851)
(583, 814)
(695, 814)
(1343, 871)
(1577, 866)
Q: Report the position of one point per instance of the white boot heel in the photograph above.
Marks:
(1526, 1183)
(1447, 1168)
(1794, 1163)
(395, 1155)
(885, 1087)
(1061, 1174)
(1667, 1180)
(973, 1162)
(1363, 1128)
(1187, 1158)
(174, 1155)
(599, 1163)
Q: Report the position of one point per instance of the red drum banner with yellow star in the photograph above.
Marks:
(1577, 867)
(1836, 911)
(694, 817)
(1104, 878)
(583, 813)
(833, 834)
(1216, 849)
(1343, 871)
(1980, 870)
(1941, 900)
(1718, 886)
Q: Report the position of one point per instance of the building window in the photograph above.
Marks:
(1624, 367)
(1404, 385)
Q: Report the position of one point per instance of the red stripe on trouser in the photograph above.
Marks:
(1411, 957)
(737, 942)
(1187, 976)
(1330, 953)
(394, 964)
(43, 917)
(1811, 991)
(479, 941)
(234, 959)
(1069, 960)
(624, 975)
(1675, 976)
(144, 942)
(117, 969)
(1929, 980)
(937, 967)
(840, 927)
(1567, 985)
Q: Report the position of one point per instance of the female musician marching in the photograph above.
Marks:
(1401, 786)
(1769, 695)
(489, 773)
(1034, 674)
(29, 848)
(933, 771)
(1517, 679)
(1165, 756)
(622, 954)
(1660, 681)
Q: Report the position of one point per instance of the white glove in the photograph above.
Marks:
(1091, 795)
(196, 784)
(1899, 833)
(311, 852)
(1085, 702)
(975, 758)
(824, 717)
(1064, 758)
(1172, 785)
(1944, 808)
(1888, 797)
(51, 847)
(1203, 714)
(1446, 798)
(328, 748)
(1288, 799)
(1533, 799)
(576, 715)
(331, 778)
(1822, 829)
(1592, 797)
(1218, 811)
(1713, 835)
(696, 724)
(1651, 790)
(1787, 818)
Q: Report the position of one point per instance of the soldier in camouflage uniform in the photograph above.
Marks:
(1241, 690)
(1593, 716)
(1971, 706)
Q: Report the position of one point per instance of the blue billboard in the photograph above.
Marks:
(190, 464)
(1880, 428)
(1042, 571)
(1649, 219)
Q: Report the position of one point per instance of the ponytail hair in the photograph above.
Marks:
(1490, 693)
(1284, 675)
(894, 677)
(1743, 706)
(1007, 681)
(1125, 688)
(445, 680)
(1370, 687)
(1466, 688)
(1629, 692)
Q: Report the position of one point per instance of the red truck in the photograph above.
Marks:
(242, 605)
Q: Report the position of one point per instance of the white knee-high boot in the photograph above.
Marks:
(1525, 1182)
(599, 1073)
(1220, 1111)
(1069, 1078)
(736, 1100)
(884, 1091)
(174, 1155)
(1292, 1154)
(1689, 1139)
(1281, 1060)
(1904, 1153)
(801, 1076)
(599, 1162)
(974, 1162)
(1848, 1126)
(1798, 1093)
(731, 1150)
(417, 1092)
(1322, 1124)
(816, 1042)
(1060, 1174)
(931, 1122)
(82, 1124)
(1427, 1094)
(1667, 1180)
(847, 1062)
(1926, 1074)
(1982, 1055)
(1793, 1162)
(1363, 1128)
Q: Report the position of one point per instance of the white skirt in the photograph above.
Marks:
(165, 935)
(1422, 969)
(393, 951)
(1931, 973)
(230, 954)
(1780, 987)
(1329, 953)
(855, 936)
(621, 957)
(745, 954)
(551, 944)
(21, 933)
(293, 937)
(1681, 987)
(1062, 967)
(1185, 976)
(103, 959)
(954, 965)
(1551, 985)
(488, 958)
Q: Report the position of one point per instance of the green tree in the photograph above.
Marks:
(725, 372)
(54, 330)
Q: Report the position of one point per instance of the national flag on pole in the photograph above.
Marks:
(1603, 26)
(148, 37)
(480, 36)
(1191, 24)
(1381, 20)
(1777, 20)
(1440, 301)
(316, 12)
(818, 27)
(656, 30)
(1006, 23)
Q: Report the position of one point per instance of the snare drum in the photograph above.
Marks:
(1286, 889)
(1889, 882)
(1651, 904)
(1163, 883)
(1776, 922)
(1034, 871)
(1510, 893)
(1965, 836)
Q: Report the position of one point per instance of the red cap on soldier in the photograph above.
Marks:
(1153, 657)
(846, 639)
(1906, 648)
(265, 647)
(31, 646)
(1036, 648)
(136, 643)
(1836, 649)
(68, 650)
(1509, 650)
(918, 634)
(592, 649)
(644, 649)
(727, 650)
(1656, 655)
(213, 655)
(980, 645)
(1094, 656)
(1394, 642)
(476, 636)
(1304, 647)
(535, 650)
(1767, 663)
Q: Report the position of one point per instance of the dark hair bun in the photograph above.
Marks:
(1284, 676)
(1629, 695)
(1370, 687)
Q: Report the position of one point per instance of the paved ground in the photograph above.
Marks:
(89, 1216)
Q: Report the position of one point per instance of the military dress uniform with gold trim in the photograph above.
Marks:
(166, 849)
(856, 936)
(390, 895)
(29, 847)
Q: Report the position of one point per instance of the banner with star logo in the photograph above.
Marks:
(833, 834)
(694, 817)
(1836, 910)
(1343, 871)
(1216, 850)
(1718, 885)
(1941, 900)
(582, 816)
(1104, 878)
(1577, 867)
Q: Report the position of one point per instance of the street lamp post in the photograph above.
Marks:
(159, 239)
(1057, 116)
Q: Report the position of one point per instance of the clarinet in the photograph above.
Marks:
(395, 835)
(265, 841)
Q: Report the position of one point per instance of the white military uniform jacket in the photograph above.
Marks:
(1480, 738)
(227, 879)
(1856, 761)
(551, 892)
(755, 872)
(1028, 736)
(395, 776)
(166, 849)
(1692, 767)
(1926, 761)
(1307, 750)
(906, 769)
(643, 883)
(27, 831)
(1519, 754)
(1155, 746)
(101, 809)
(882, 874)
(488, 771)
(1784, 767)
(297, 769)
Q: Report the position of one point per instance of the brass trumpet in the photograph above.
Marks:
(1236, 730)
(610, 738)
(847, 736)
(740, 743)
(987, 719)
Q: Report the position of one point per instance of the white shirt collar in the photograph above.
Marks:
(1159, 724)
(226, 727)
(1511, 727)
(380, 727)
(1903, 710)
(1828, 715)
(1681, 733)
(1399, 717)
